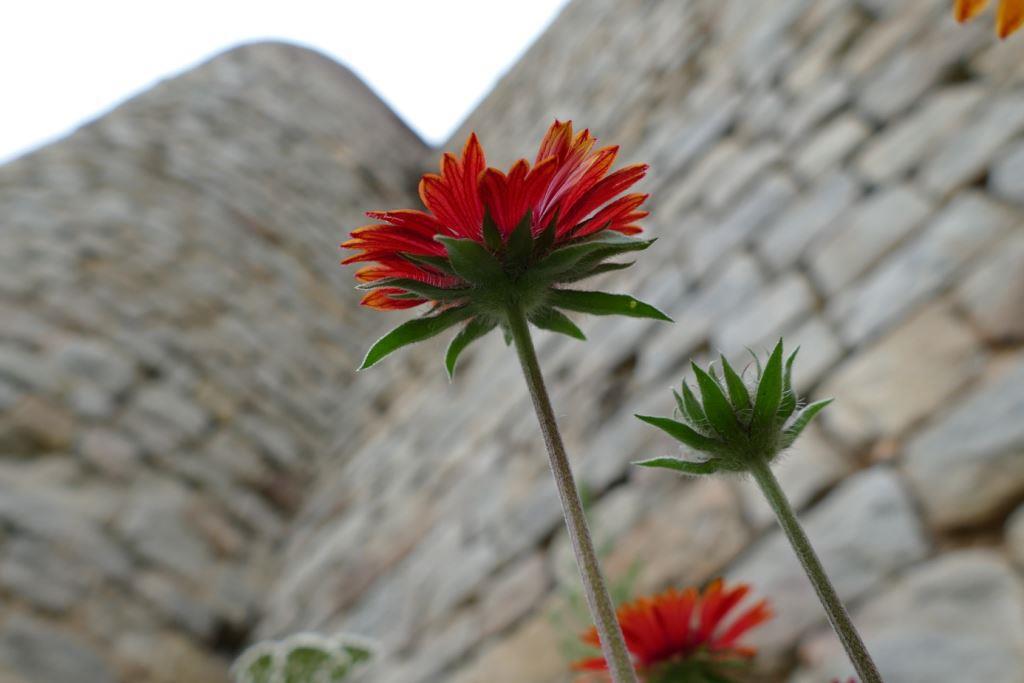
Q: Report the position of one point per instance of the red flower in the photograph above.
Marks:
(678, 630)
(568, 189)
(1009, 17)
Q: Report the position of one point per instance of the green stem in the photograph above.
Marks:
(613, 645)
(837, 614)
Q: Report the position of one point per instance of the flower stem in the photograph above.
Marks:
(837, 614)
(613, 645)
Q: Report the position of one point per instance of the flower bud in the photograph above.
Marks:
(733, 425)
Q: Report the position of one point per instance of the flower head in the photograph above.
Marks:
(732, 424)
(491, 239)
(1009, 16)
(675, 634)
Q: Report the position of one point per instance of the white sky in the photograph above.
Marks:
(63, 62)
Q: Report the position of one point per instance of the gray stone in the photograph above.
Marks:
(56, 520)
(1015, 536)
(761, 320)
(819, 351)
(157, 528)
(906, 77)
(863, 532)
(832, 144)
(902, 146)
(969, 225)
(1007, 176)
(167, 406)
(993, 295)
(960, 615)
(43, 654)
(176, 605)
(878, 224)
(814, 108)
(514, 593)
(110, 452)
(728, 287)
(730, 181)
(759, 207)
(891, 385)
(966, 155)
(786, 239)
(968, 465)
(26, 370)
(32, 571)
(94, 367)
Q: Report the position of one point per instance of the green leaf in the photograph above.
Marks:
(420, 289)
(548, 318)
(602, 303)
(694, 410)
(716, 406)
(788, 403)
(472, 262)
(803, 418)
(769, 393)
(492, 238)
(684, 433)
(474, 329)
(520, 242)
(414, 331)
(684, 466)
(738, 393)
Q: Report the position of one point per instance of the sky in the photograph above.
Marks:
(64, 62)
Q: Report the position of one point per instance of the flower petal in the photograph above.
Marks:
(1009, 18)
(965, 10)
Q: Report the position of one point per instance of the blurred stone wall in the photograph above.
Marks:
(175, 341)
(187, 461)
(847, 174)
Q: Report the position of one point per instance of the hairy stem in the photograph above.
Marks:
(837, 614)
(601, 607)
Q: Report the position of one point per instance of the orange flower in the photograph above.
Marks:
(568, 188)
(1009, 18)
(676, 631)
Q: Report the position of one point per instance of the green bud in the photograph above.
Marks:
(302, 658)
(736, 422)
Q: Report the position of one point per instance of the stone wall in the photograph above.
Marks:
(847, 174)
(175, 341)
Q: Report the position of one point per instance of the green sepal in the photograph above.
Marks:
(802, 419)
(436, 262)
(788, 403)
(420, 289)
(602, 303)
(492, 237)
(599, 269)
(684, 466)
(738, 393)
(683, 433)
(520, 242)
(551, 319)
(716, 405)
(769, 394)
(546, 239)
(474, 329)
(584, 255)
(694, 410)
(472, 262)
(414, 331)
